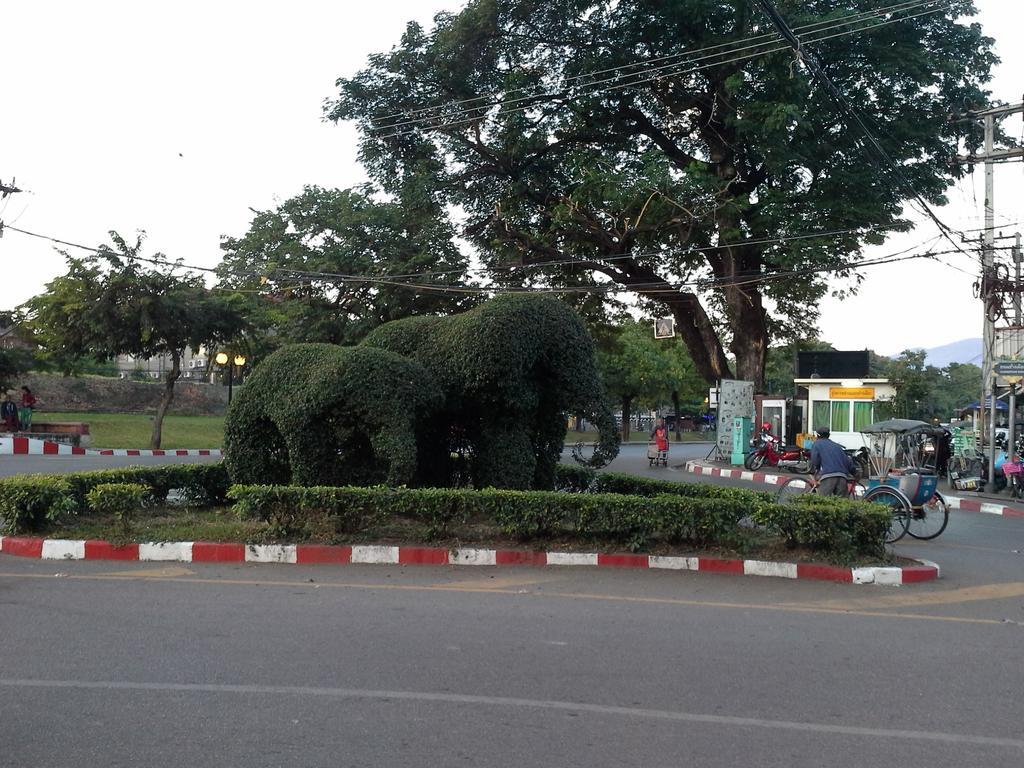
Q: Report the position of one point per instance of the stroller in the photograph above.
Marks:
(657, 453)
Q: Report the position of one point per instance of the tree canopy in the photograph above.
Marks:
(674, 149)
(117, 302)
(330, 265)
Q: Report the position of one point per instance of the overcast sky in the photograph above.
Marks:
(178, 118)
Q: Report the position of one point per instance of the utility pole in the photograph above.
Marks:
(990, 156)
(1011, 437)
(8, 189)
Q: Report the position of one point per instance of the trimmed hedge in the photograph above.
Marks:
(324, 513)
(27, 503)
(695, 514)
(121, 500)
(840, 527)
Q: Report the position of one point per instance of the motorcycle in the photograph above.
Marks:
(769, 452)
(861, 460)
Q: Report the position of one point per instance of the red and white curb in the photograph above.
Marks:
(30, 446)
(320, 554)
(954, 502)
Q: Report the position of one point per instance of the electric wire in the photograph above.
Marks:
(481, 102)
(455, 121)
(728, 49)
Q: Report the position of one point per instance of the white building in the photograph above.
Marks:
(846, 406)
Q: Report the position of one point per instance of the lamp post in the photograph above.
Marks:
(222, 360)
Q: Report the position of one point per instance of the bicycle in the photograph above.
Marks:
(893, 498)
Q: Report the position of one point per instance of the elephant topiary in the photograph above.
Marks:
(511, 370)
(319, 414)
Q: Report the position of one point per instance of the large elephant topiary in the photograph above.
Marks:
(318, 414)
(511, 370)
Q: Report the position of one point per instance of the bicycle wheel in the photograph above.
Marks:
(899, 505)
(793, 488)
(928, 520)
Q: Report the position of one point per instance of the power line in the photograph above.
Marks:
(672, 71)
(645, 68)
(814, 66)
(485, 102)
(647, 288)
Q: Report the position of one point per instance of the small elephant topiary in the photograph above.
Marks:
(319, 414)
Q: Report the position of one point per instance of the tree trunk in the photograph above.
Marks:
(626, 402)
(675, 407)
(166, 399)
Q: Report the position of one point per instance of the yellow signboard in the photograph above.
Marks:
(851, 393)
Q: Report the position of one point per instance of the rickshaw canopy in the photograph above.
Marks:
(901, 427)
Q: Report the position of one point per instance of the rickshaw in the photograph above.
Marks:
(904, 476)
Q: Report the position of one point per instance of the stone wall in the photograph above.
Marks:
(96, 394)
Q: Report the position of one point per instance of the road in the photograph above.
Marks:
(117, 664)
(58, 465)
(110, 664)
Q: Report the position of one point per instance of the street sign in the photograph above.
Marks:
(665, 327)
(1010, 367)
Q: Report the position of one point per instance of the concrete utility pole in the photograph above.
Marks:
(1011, 437)
(990, 156)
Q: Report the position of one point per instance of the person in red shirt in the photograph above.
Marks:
(28, 403)
(660, 434)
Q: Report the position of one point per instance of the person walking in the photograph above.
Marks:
(660, 434)
(28, 404)
(8, 412)
(831, 464)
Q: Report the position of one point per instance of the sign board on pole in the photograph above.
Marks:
(665, 327)
(1007, 368)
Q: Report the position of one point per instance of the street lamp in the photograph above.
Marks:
(222, 360)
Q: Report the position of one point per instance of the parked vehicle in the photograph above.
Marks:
(770, 452)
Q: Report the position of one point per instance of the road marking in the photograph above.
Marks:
(149, 573)
(494, 584)
(541, 704)
(778, 607)
(945, 597)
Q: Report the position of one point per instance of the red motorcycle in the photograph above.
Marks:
(772, 454)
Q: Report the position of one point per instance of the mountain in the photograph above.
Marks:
(963, 351)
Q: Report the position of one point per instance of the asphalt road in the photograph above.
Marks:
(108, 664)
(58, 465)
(117, 664)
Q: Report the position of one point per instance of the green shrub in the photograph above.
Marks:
(322, 414)
(28, 503)
(842, 528)
(199, 484)
(120, 500)
(324, 513)
(617, 482)
(574, 478)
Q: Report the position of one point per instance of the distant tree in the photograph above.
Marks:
(636, 369)
(331, 265)
(112, 303)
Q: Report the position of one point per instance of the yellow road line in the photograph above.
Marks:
(778, 607)
(945, 597)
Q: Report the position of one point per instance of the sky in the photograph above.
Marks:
(179, 119)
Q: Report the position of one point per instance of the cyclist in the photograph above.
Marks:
(831, 464)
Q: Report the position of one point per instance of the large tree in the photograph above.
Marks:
(331, 265)
(117, 302)
(671, 148)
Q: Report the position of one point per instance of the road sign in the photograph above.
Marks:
(1010, 367)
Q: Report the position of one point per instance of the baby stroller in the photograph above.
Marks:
(657, 453)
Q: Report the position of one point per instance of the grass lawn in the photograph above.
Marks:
(126, 430)
(639, 436)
